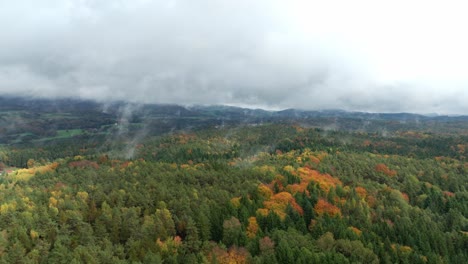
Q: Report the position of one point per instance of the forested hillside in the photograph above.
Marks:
(260, 189)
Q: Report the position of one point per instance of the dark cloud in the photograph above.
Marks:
(250, 53)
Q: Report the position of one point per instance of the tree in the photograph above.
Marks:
(284, 253)
(191, 242)
(232, 232)
(324, 207)
(252, 227)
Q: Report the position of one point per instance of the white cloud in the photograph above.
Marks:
(355, 55)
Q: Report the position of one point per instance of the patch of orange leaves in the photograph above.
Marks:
(405, 197)
(232, 256)
(323, 207)
(366, 143)
(403, 249)
(449, 194)
(356, 230)
(339, 200)
(361, 192)
(307, 175)
(280, 201)
(385, 170)
(252, 228)
(83, 164)
(169, 246)
(314, 159)
(184, 138)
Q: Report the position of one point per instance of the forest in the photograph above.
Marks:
(87, 183)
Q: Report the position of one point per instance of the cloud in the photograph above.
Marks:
(272, 54)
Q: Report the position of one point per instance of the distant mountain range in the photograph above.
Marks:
(228, 112)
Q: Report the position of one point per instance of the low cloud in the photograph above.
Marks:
(259, 54)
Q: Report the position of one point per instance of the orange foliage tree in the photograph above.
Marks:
(234, 255)
(252, 228)
(280, 201)
(385, 170)
(361, 192)
(323, 207)
(356, 230)
(325, 181)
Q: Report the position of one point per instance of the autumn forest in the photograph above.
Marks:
(83, 182)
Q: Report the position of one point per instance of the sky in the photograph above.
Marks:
(361, 55)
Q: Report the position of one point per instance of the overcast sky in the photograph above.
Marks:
(378, 56)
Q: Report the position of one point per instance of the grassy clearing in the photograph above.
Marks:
(61, 134)
(59, 116)
(69, 133)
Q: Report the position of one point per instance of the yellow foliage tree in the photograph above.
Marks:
(252, 228)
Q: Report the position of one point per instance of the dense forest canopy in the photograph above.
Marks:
(122, 183)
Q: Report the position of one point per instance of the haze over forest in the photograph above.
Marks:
(397, 56)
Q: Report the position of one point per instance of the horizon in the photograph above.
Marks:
(243, 107)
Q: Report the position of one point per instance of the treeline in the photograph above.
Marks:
(262, 194)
